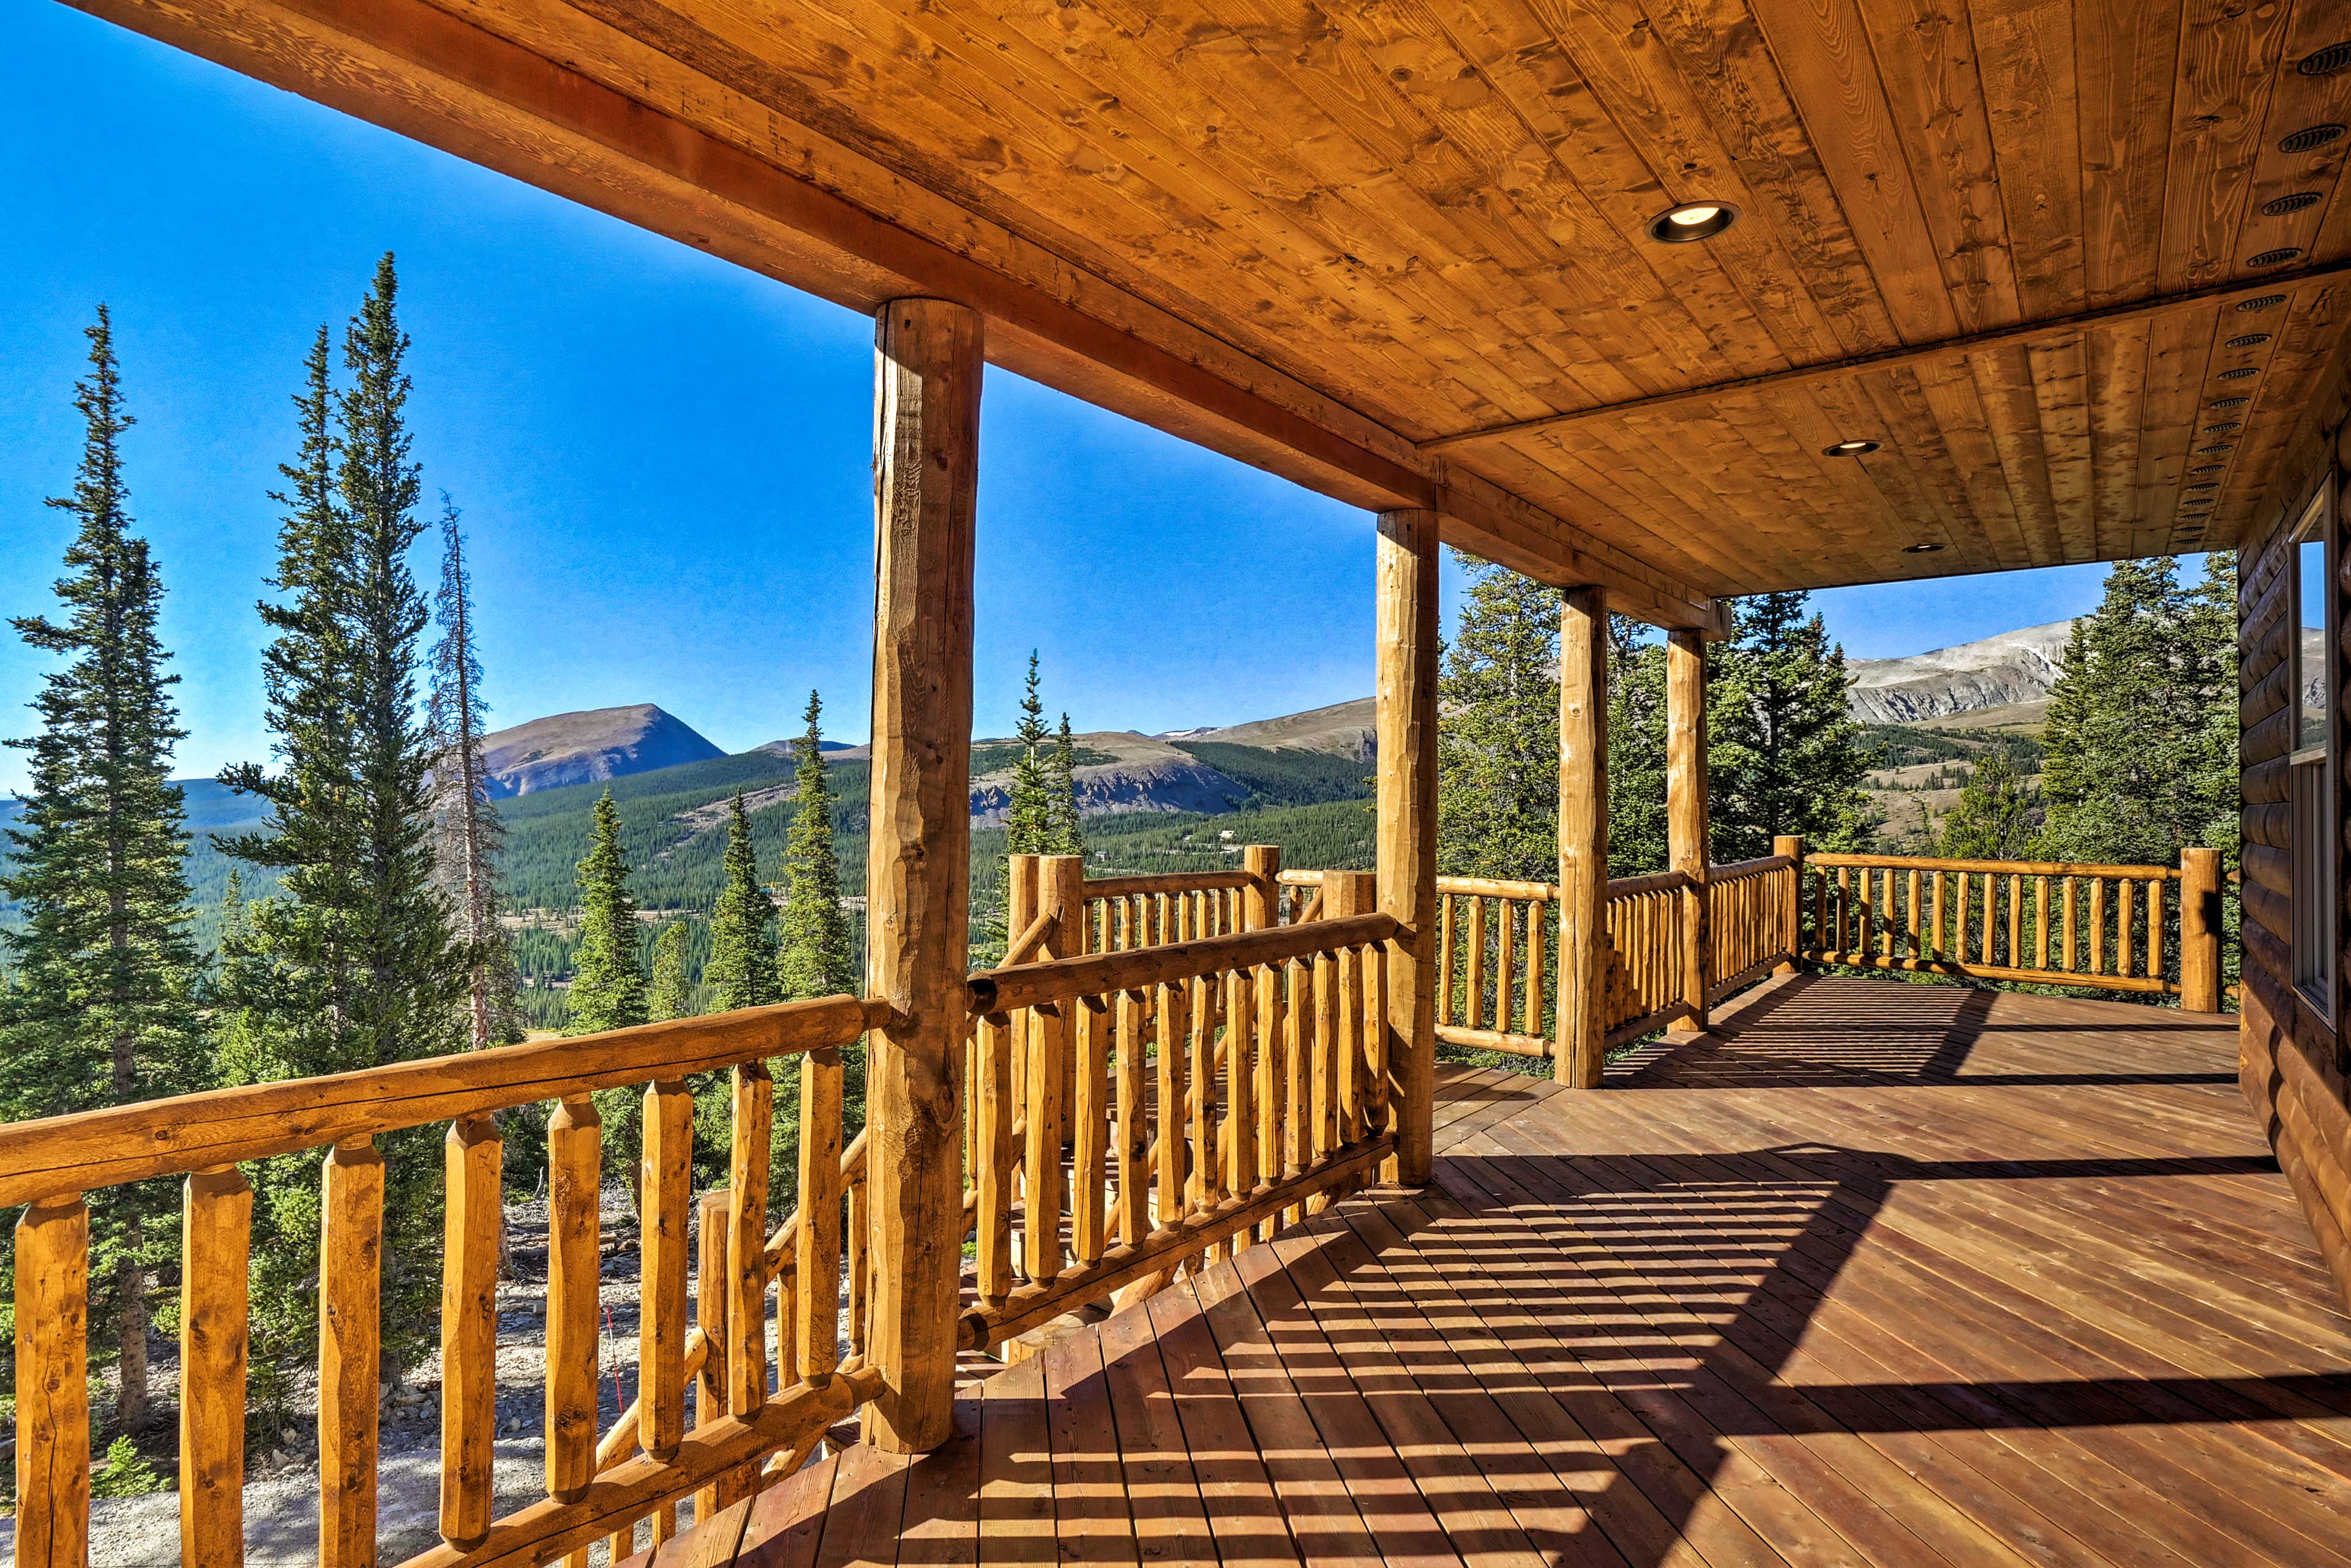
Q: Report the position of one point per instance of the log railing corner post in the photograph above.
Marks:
(1579, 1049)
(2199, 930)
(1406, 836)
(1792, 903)
(927, 372)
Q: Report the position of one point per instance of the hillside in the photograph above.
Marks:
(587, 748)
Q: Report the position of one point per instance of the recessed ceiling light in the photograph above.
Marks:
(2277, 257)
(2247, 340)
(1849, 449)
(1692, 220)
(2239, 373)
(2310, 138)
(2215, 447)
(2220, 427)
(2229, 402)
(2208, 469)
(2326, 61)
(2295, 202)
(1925, 547)
(2259, 302)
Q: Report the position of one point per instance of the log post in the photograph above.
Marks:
(1686, 820)
(1062, 895)
(1578, 1050)
(1406, 856)
(53, 1384)
(1792, 903)
(2199, 931)
(918, 861)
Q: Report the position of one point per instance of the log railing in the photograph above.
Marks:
(2150, 929)
(1124, 913)
(744, 1418)
(1644, 988)
(1751, 921)
(1492, 946)
(1135, 1111)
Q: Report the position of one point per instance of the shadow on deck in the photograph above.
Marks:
(1877, 1273)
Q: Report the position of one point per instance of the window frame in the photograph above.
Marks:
(2313, 788)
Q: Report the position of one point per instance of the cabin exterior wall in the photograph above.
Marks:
(2292, 1054)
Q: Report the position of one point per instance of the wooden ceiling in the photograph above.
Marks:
(1399, 249)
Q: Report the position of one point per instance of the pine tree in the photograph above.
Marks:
(1784, 756)
(2141, 737)
(366, 969)
(1029, 820)
(1497, 744)
(1991, 820)
(737, 971)
(468, 832)
(813, 958)
(1065, 833)
(1638, 843)
(669, 995)
(608, 982)
(102, 1010)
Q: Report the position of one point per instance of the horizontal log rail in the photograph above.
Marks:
(600, 1484)
(62, 1154)
(1020, 986)
(2143, 929)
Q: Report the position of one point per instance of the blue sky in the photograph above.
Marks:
(662, 459)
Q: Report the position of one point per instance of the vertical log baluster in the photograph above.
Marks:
(351, 1306)
(816, 1292)
(2066, 921)
(1173, 1042)
(1206, 1170)
(750, 1173)
(1506, 964)
(860, 1218)
(2041, 920)
(1296, 1073)
(1821, 909)
(2125, 891)
(713, 1284)
(2097, 925)
(1134, 1123)
(1240, 1139)
(2015, 921)
(991, 1118)
(1446, 958)
(666, 1188)
(53, 1384)
(469, 1328)
(1323, 1078)
(1538, 939)
(1090, 1147)
(1476, 978)
(216, 1255)
(1910, 918)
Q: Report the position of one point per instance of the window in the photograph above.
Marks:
(2312, 788)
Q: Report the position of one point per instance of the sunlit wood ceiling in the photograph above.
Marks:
(2037, 251)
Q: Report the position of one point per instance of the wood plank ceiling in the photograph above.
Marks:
(1436, 214)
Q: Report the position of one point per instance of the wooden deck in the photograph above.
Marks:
(1878, 1273)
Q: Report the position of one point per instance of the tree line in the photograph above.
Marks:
(1783, 753)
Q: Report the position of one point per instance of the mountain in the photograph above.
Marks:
(2003, 671)
(589, 748)
(1343, 729)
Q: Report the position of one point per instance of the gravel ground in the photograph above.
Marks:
(281, 1494)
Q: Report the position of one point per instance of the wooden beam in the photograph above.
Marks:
(1407, 851)
(1580, 1049)
(2026, 335)
(1685, 813)
(918, 861)
(846, 229)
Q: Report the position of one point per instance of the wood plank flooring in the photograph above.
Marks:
(1878, 1273)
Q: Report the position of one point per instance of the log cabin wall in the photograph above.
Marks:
(2291, 1057)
